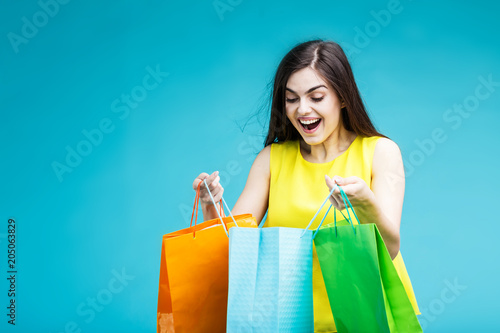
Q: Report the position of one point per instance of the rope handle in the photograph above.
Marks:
(220, 211)
(347, 204)
(196, 203)
(314, 217)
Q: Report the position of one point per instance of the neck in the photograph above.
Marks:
(329, 149)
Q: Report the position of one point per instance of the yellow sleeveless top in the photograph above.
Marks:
(298, 188)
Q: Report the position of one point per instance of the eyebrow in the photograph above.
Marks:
(307, 92)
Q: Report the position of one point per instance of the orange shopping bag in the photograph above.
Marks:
(192, 296)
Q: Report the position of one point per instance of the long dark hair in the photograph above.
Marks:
(330, 61)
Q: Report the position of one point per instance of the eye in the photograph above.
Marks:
(291, 100)
(317, 99)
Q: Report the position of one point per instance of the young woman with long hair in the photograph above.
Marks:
(321, 135)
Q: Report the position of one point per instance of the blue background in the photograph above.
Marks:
(107, 215)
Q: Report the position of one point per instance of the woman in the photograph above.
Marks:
(320, 135)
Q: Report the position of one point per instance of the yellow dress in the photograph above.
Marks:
(298, 188)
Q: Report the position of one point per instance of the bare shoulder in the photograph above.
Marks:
(387, 156)
(386, 149)
(388, 177)
(386, 146)
(255, 195)
(265, 153)
(261, 162)
(264, 156)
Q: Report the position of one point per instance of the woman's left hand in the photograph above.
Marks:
(355, 188)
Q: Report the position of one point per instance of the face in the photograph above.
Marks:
(312, 106)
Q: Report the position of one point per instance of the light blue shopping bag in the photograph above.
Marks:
(270, 280)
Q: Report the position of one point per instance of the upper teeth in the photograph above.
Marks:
(308, 122)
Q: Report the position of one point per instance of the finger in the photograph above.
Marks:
(209, 180)
(196, 182)
(338, 180)
(203, 175)
(348, 180)
(199, 179)
(340, 200)
(218, 195)
(349, 190)
(329, 182)
(215, 187)
(334, 201)
(212, 177)
(215, 183)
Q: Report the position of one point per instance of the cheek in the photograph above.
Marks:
(331, 118)
(289, 113)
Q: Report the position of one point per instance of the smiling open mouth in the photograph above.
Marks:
(310, 125)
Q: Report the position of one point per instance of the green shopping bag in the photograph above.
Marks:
(364, 289)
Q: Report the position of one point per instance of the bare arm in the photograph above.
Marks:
(383, 203)
(255, 196)
(388, 186)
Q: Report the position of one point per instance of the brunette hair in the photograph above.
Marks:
(330, 61)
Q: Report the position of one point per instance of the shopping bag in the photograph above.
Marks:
(363, 286)
(270, 281)
(192, 294)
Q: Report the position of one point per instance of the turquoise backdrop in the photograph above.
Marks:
(110, 109)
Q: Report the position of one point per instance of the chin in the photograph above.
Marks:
(312, 140)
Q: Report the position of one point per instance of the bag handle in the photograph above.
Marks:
(225, 204)
(348, 206)
(196, 203)
(219, 211)
(314, 217)
(194, 214)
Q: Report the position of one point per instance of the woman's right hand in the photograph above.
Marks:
(213, 184)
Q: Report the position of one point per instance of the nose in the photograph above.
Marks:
(304, 107)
